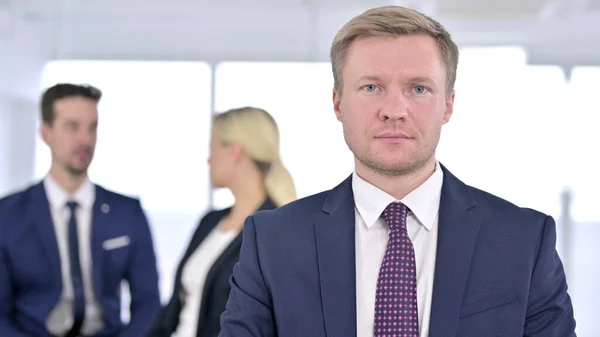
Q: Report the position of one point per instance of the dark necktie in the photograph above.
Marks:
(396, 311)
(77, 280)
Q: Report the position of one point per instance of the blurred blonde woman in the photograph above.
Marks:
(245, 159)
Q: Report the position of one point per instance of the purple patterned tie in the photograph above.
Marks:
(396, 313)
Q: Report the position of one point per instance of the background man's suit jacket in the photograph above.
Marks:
(30, 275)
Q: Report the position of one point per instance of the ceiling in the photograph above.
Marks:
(562, 32)
(458, 9)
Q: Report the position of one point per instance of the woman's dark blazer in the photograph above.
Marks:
(216, 288)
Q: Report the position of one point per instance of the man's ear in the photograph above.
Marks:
(337, 104)
(45, 132)
(449, 108)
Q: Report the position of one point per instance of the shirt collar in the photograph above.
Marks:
(424, 201)
(58, 196)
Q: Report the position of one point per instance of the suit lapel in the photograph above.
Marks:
(204, 228)
(234, 247)
(336, 257)
(39, 209)
(215, 270)
(197, 238)
(230, 252)
(457, 236)
(100, 216)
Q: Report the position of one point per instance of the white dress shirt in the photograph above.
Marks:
(372, 237)
(60, 319)
(194, 275)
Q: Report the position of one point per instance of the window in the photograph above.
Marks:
(580, 138)
(579, 132)
(502, 133)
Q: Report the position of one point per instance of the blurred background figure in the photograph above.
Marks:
(244, 158)
(67, 244)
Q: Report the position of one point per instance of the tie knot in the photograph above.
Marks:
(72, 205)
(395, 216)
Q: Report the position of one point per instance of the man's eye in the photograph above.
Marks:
(419, 89)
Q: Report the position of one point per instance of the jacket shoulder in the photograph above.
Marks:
(301, 212)
(502, 208)
(16, 201)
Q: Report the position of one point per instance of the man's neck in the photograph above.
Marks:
(397, 186)
(66, 180)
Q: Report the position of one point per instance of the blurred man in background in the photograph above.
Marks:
(67, 244)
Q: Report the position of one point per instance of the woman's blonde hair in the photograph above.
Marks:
(257, 132)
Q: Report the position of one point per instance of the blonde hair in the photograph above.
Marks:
(257, 132)
(393, 21)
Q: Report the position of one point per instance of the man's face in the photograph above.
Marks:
(72, 135)
(393, 102)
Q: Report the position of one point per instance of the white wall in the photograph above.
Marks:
(17, 125)
(5, 144)
(23, 53)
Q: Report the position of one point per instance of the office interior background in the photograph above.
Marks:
(525, 125)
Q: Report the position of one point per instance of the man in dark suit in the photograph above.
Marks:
(402, 247)
(66, 244)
